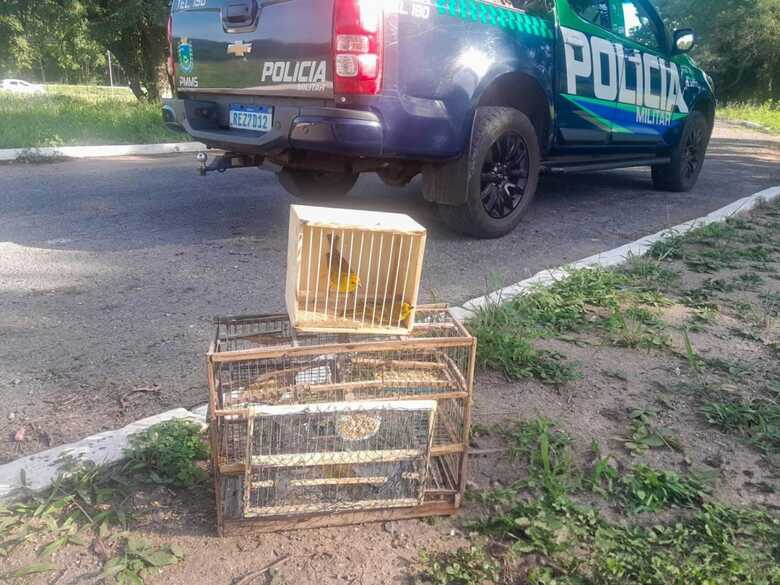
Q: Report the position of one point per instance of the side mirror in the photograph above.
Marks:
(684, 40)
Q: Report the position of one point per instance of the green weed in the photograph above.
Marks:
(695, 362)
(757, 422)
(636, 327)
(168, 453)
(718, 285)
(546, 452)
(648, 274)
(718, 545)
(646, 489)
(518, 359)
(465, 566)
(138, 560)
(552, 526)
(86, 502)
(645, 435)
(669, 248)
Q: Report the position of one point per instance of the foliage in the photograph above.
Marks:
(546, 453)
(138, 559)
(714, 545)
(135, 33)
(718, 545)
(87, 502)
(649, 490)
(645, 435)
(167, 453)
(737, 43)
(67, 39)
(758, 422)
(59, 119)
(48, 39)
(518, 359)
(471, 566)
(766, 114)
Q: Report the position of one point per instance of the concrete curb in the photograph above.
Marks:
(42, 468)
(616, 256)
(11, 154)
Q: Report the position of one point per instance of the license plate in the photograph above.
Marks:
(257, 118)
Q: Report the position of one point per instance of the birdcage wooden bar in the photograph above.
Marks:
(353, 271)
(323, 429)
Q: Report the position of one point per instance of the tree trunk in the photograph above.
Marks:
(135, 87)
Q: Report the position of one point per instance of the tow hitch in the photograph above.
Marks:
(229, 160)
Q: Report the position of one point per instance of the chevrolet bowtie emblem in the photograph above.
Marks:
(239, 48)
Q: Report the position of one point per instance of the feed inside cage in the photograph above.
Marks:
(353, 270)
(332, 457)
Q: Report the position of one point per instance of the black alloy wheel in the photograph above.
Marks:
(693, 153)
(505, 175)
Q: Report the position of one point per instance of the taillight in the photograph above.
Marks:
(171, 61)
(357, 46)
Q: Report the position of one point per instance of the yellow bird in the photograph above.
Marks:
(342, 278)
(406, 311)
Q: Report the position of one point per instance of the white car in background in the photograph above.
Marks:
(19, 86)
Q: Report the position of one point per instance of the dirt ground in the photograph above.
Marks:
(111, 271)
(614, 380)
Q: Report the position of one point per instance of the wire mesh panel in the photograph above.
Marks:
(353, 270)
(319, 423)
(337, 456)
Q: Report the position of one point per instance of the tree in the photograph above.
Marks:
(135, 33)
(48, 39)
(737, 43)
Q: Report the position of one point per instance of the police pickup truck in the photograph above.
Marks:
(478, 96)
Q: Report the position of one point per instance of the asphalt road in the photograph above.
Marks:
(111, 270)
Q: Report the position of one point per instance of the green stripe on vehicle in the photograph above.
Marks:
(493, 15)
(593, 117)
(577, 99)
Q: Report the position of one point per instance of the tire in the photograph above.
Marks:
(687, 157)
(501, 175)
(316, 186)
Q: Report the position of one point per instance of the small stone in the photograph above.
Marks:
(11, 415)
(715, 461)
(16, 382)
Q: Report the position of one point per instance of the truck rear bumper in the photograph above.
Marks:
(333, 130)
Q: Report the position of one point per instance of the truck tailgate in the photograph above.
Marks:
(257, 47)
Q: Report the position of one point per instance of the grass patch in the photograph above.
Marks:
(89, 506)
(644, 435)
(168, 453)
(615, 300)
(649, 274)
(518, 359)
(574, 544)
(757, 422)
(767, 114)
(472, 566)
(650, 490)
(62, 118)
(546, 453)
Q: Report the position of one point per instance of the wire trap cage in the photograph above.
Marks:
(353, 271)
(321, 429)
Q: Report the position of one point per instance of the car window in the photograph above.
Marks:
(638, 25)
(593, 11)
